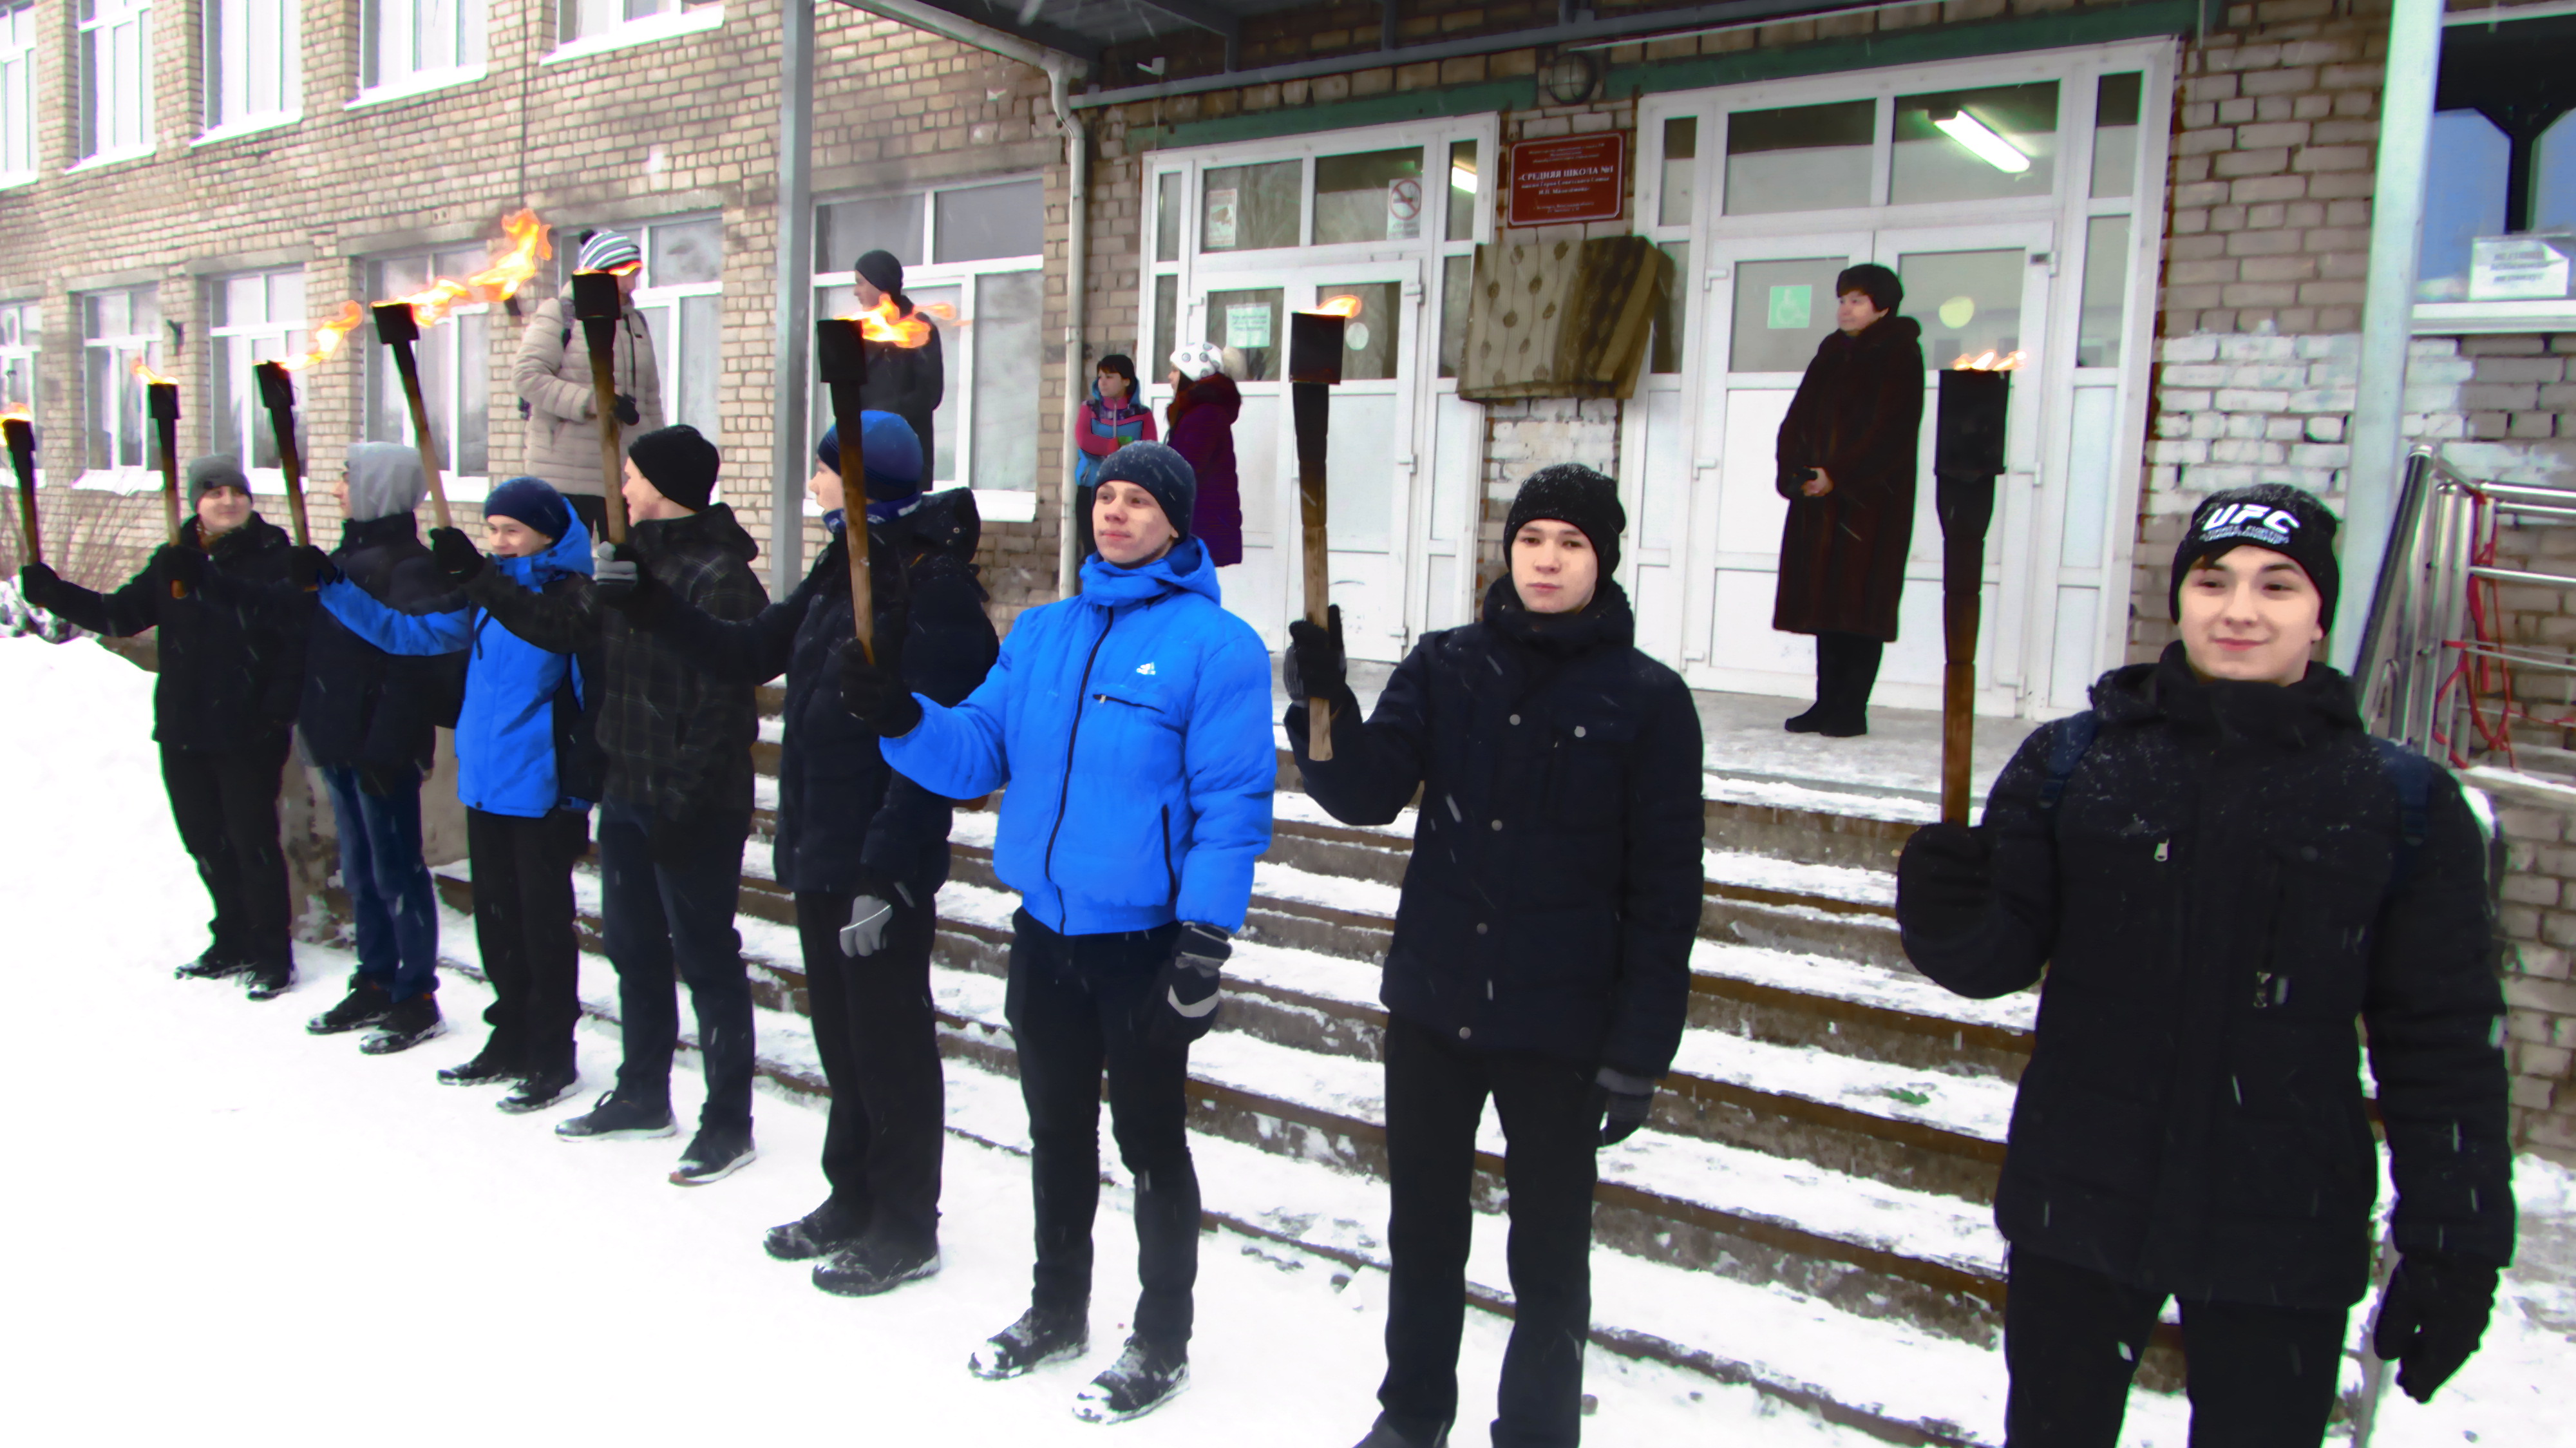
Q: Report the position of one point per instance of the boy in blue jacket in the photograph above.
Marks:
(523, 772)
(1132, 724)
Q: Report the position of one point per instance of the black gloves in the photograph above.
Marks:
(871, 916)
(180, 564)
(309, 567)
(1182, 1006)
(36, 584)
(1626, 1103)
(1944, 880)
(1313, 668)
(2430, 1319)
(626, 412)
(456, 555)
(875, 696)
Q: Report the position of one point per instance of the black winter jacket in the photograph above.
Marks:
(1555, 884)
(2214, 903)
(677, 740)
(365, 708)
(846, 822)
(232, 668)
(909, 382)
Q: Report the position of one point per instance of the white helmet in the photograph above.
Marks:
(1195, 360)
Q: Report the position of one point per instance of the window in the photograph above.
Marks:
(252, 62)
(455, 365)
(1244, 208)
(258, 317)
(17, 90)
(678, 298)
(593, 20)
(115, 79)
(972, 257)
(413, 43)
(18, 347)
(1371, 196)
(2503, 157)
(118, 329)
(1975, 145)
(1800, 158)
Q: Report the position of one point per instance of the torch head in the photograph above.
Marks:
(1315, 347)
(595, 296)
(840, 358)
(1969, 438)
(395, 324)
(163, 401)
(276, 387)
(22, 444)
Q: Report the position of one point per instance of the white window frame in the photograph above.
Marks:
(263, 340)
(996, 505)
(17, 92)
(121, 350)
(21, 343)
(239, 36)
(380, 79)
(462, 487)
(118, 27)
(668, 18)
(651, 293)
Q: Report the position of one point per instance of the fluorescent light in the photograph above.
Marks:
(1462, 178)
(1990, 148)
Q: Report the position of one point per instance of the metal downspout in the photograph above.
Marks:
(2388, 309)
(1077, 253)
(795, 305)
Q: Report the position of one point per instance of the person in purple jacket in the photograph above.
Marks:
(1204, 406)
(1115, 416)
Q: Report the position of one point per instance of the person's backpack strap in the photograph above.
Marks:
(2066, 750)
(2412, 773)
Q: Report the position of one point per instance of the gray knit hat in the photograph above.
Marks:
(213, 471)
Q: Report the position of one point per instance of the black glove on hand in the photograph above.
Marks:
(36, 584)
(1626, 1103)
(309, 567)
(456, 555)
(1314, 668)
(626, 412)
(1182, 1006)
(875, 696)
(1944, 880)
(2430, 1319)
(178, 563)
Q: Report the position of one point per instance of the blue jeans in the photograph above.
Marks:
(670, 913)
(389, 889)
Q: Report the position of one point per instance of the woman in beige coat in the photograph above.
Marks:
(552, 377)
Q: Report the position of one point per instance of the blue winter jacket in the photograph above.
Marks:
(506, 734)
(1132, 724)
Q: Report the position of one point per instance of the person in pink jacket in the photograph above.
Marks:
(1113, 418)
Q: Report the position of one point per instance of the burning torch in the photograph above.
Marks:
(841, 360)
(399, 323)
(161, 404)
(277, 394)
(1967, 454)
(1314, 366)
(597, 302)
(21, 433)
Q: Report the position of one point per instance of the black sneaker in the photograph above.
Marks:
(540, 1089)
(495, 1062)
(715, 1153)
(1385, 1435)
(616, 1118)
(1038, 1338)
(819, 1233)
(868, 1268)
(364, 1005)
(405, 1026)
(1144, 1378)
(268, 982)
(213, 965)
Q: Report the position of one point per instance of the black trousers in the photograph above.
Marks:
(225, 803)
(523, 921)
(2260, 1377)
(1846, 672)
(676, 913)
(1072, 1005)
(1551, 1114)
(878, 1036)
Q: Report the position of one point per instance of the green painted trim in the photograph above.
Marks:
(1910, 47)
(1388, 109)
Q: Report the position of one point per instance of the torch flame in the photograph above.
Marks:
(16, 412)
(143, 370)
(1986, 362)
(529, 244)
(326, 337)
(881, 323)
(1343, 306)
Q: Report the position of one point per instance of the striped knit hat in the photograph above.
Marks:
(607, 251)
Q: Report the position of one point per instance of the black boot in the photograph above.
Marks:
(1145, 1377)
(819, 1233)
(619, 1118)
(217, 963)
(497, 1061)
(868, 1268)
(1038, 1338)
(715, 1153)
(406, 1025)
(364, 1005)
(1813, 718)
(1844, 683)
(268, 982)
(542, 1088)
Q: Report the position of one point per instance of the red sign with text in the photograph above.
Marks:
(1568, 179)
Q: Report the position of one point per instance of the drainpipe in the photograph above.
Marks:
(795, 301)
(1077, 252)
(2388, 310)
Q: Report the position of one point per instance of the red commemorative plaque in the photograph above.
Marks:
(1569, 178)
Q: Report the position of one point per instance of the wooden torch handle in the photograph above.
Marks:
(854, 519)
(612, 461)
(409, 368)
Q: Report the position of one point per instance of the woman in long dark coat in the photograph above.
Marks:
(1847, 456)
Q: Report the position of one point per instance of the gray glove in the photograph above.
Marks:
(871, 916)
(1626, 1103)
(614, 574)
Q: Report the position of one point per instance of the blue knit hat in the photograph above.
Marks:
(893, 454)
(532, 501)
(1160, 471)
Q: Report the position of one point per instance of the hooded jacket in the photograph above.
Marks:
(1555, 886)
(1203, 415)
(518, 734)
(232, 659)
(364, 708)
(2215, 900)
(1102, 427)
(846, 822)
(1131, 723)
(1858, 414)
(552, 376)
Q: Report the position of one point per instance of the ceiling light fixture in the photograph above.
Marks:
(1462, 178)
(1989, 147)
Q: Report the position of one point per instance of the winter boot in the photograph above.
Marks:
(1846, 672)
(715, 1153)
(868, 1268)
(619, 1118)
(217, 963)
(819, 1233)
(495, 1062)
(366, 1003)
(1385, 1435)
(541, 1088)
(407, 1025)
(1144, 1378)
(1038, 1338)
(268, 982)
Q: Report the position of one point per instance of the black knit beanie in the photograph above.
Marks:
(883, 272)
(2289, 521)
(680, 464)
(1572, 493)
(1160, 471)
(1876, 282)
